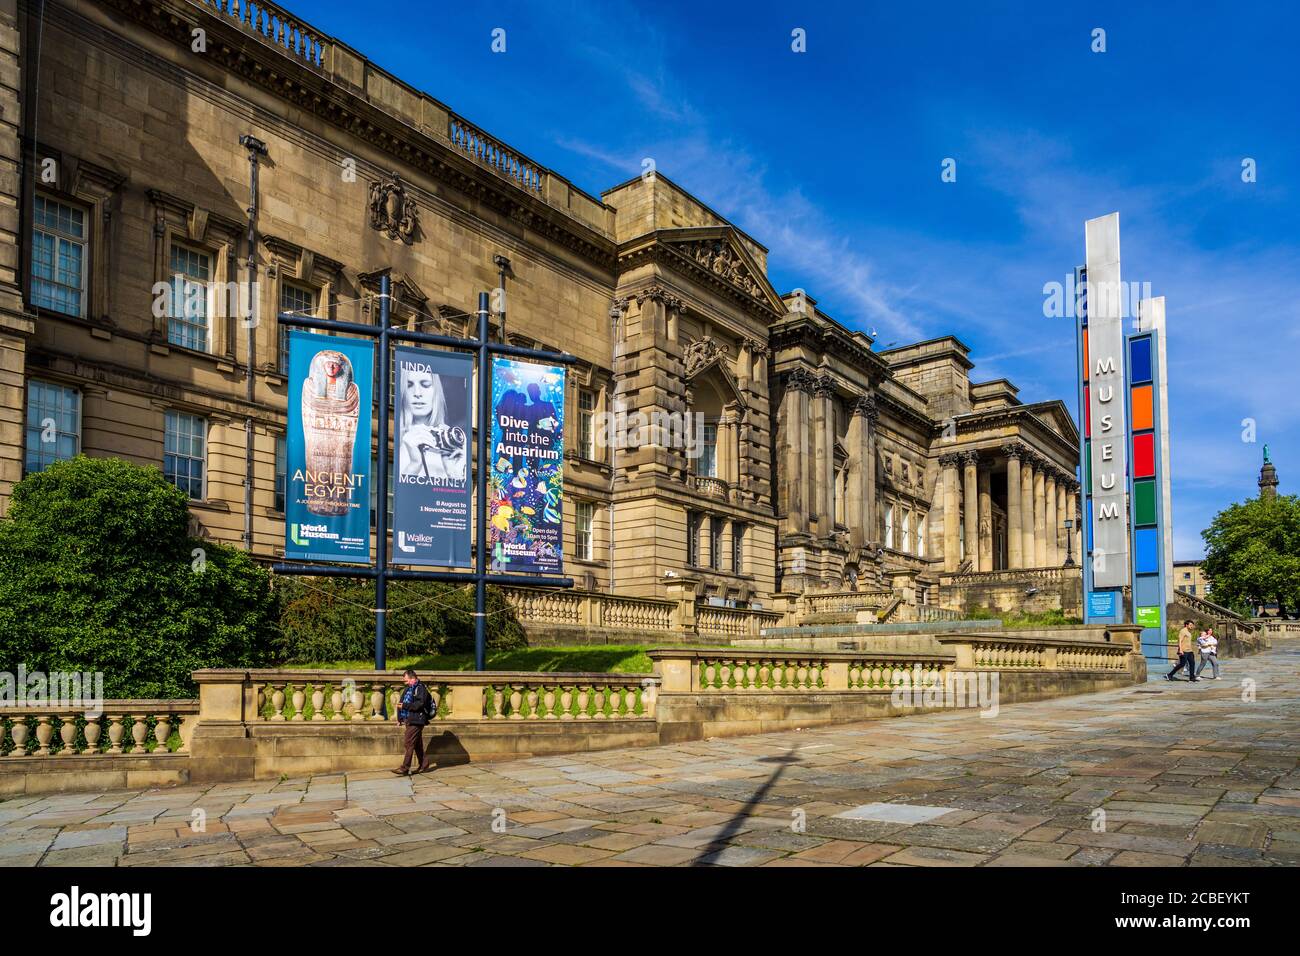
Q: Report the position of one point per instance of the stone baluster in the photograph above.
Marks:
(18, 731)
(93, 729)
(68, 734)
(44, 734)
(116, 732)
(139, 733)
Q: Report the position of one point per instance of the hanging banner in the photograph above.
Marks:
(431, 429)
(526, 483)
(327, 475)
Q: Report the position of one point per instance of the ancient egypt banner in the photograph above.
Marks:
(431, 429)
(526, 478)
(327, 474)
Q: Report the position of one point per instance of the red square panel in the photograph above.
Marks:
(1144, 456)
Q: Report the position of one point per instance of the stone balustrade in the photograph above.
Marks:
(718, 671)
(1009, 575)
(596, 609)
(260, 697)
(492, 153)
(1116, 650)
(131, 728)
(276, 26)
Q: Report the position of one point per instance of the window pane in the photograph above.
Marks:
(187, 322)
(185, 451)
(58, 256)
(293, 298)
(53, 424)
(281, 471)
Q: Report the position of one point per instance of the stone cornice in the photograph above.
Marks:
(650, 251)
(312, 91)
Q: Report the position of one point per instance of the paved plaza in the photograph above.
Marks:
(1185, 774)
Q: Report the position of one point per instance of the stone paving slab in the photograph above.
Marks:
(942, 789)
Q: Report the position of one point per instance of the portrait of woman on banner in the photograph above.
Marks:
(430, 448)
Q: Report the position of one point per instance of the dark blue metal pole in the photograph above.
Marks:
(481, 486)
(381, 493)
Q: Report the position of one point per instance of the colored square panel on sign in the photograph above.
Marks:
(1085, 355)
(1139, 359)
(1087, 465)
(1087, 414)
(1142, 416)
(1144, 456)
(1144, 502)
(1146, 551)
(1149, 616)
(1088, 543)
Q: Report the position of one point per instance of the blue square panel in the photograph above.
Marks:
(1139, 359)
(1089, 544)
(1146, 551)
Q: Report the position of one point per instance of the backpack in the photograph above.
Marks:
(430, 706)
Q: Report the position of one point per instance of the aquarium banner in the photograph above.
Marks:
(526, 478)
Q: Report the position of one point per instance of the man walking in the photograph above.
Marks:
(1186, 657)
(413, 713)
(1209, 645)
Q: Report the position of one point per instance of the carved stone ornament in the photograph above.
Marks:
(866, 405)
(392, 211)
(723, 261)
(800, 380)
(703, 352)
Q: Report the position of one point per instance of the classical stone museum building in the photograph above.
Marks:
(824, 463)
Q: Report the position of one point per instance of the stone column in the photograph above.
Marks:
(1027, 509)
(794, 439)
(870, 518)
(826, 460)
(1050, 523)
(970, 476)
(951, 536)
(1062, 483)
(855, 494)
(1040, 513)
(1015, 539)
(986, 561)
(1072, 512)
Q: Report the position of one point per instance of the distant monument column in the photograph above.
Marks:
(1015, 538)
(1267, 479)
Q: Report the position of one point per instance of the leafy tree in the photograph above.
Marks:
(1252, 555)
(330, 619)
(98, 572)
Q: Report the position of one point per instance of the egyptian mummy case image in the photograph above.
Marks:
(330, 410)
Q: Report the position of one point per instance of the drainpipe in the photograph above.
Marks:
(255, 149)
(503, 266)
(615, 317)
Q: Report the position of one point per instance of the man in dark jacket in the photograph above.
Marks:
(413, 713)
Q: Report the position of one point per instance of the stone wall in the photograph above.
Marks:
(1055, 589)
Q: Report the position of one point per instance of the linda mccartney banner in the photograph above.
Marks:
(327, 474)
(431, 489)
(526, 484)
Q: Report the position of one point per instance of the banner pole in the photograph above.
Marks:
(381, 493)
(481, 486)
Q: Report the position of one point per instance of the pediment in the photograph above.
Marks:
(706, 354)
(1056, 417)
(718, 251)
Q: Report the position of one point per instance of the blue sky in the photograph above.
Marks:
(831, 158)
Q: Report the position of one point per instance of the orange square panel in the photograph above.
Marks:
(1142, 408)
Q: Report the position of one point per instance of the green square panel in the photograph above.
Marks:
(1087, 467)
(1144, 502)
(1149, 616)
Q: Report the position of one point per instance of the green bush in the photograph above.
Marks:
(98, 572)
(330, 619)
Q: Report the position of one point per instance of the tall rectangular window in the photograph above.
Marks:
(187, 312)
(707, 464)
(920, 537)
(907, 532)
(582, 529)
(889, 525)
(692, 539)
(281, 470)
(53, 424)
(185, 452)
(738, 548)
(59, 257)
(587, 423)
(715, 543)
(300, 300)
